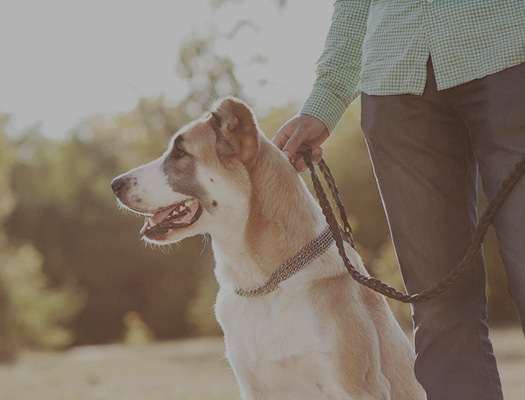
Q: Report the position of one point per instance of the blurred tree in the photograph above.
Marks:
(137, 332)
(31, 312)
(208, 74)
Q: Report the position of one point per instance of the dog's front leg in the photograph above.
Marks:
(252, 394)
(249, 386)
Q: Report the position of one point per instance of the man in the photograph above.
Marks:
(443, 94)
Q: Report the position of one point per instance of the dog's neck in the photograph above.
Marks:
(282, 218)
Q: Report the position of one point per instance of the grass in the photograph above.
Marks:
(190, 369)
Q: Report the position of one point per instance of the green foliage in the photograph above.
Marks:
(31, 312)
(201, 312)
(39, 312)
(137, 332)
(209, 75)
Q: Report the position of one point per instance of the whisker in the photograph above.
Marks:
(205, 242)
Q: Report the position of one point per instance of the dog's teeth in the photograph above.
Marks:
(151, 223)
(188, 203)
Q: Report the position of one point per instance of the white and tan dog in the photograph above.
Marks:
(320, 335)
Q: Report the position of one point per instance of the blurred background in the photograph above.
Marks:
(91, 89)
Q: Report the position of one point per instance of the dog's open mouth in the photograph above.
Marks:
(177, 216)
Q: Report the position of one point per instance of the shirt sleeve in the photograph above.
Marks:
(339, 66)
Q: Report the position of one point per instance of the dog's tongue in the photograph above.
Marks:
(156, 218)
(162, 215)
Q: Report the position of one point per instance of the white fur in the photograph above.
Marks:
(262, 332)
(152, 187)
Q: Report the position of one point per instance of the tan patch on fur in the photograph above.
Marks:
(372, 355)
(338, 298)
(200, 140)
(239, 139)
(237, 123)
(276, 230)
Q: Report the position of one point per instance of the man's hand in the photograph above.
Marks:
(301, 129)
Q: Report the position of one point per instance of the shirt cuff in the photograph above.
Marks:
(325, 106)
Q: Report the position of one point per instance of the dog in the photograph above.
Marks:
(316, 334)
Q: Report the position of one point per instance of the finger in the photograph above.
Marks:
(301, 166)
(280, 139)
(317, 155)
(298, 160)
(299, 163)
(295, 141)
(283, 134)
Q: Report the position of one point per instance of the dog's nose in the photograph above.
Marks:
(116, 184)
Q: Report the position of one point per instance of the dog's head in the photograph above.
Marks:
(204, 169)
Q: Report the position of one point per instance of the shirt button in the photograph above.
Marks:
(430, 1)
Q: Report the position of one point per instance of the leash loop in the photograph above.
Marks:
(345, 233)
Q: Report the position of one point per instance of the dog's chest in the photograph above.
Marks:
(269, 327)
(275, 346)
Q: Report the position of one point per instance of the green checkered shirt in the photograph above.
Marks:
(381, 47)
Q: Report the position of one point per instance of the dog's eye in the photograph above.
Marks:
(177, 152)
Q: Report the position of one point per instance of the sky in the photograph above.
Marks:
(64, 60)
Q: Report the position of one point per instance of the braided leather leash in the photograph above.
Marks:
(453, 276)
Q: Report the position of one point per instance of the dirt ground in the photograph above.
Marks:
(191, 369)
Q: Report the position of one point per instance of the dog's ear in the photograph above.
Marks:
(237, 132)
